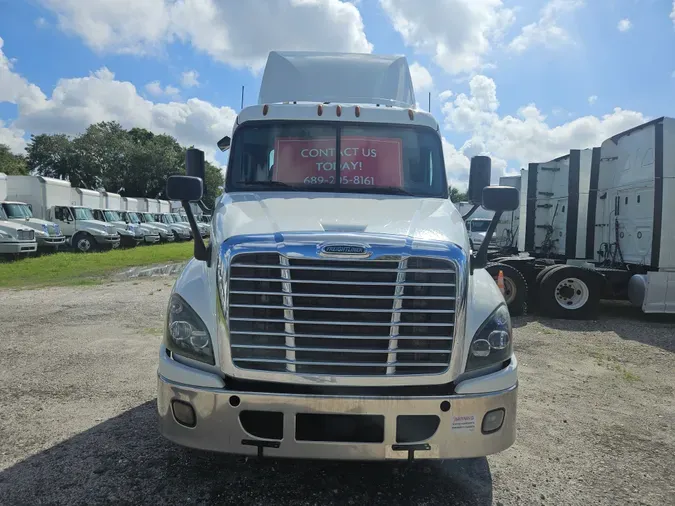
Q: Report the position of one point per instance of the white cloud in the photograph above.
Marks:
(459, 34)
(190, 79)
(12, 137)
(672, 13)
(422, 80)
(592, 99)
(76, 103)
(624, 25)
(237, 33)
(547, 30)
(155, 88)
(41, 22)
(526, 137)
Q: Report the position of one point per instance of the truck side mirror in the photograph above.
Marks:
(497, 199)
(479, 177)
(500, 198)
(224, 143)
(184, 188)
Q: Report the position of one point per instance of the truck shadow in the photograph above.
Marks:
(627, 321)
(125, 461)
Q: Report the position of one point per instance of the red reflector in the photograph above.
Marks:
(265, 109)
(319, 110)
(411, 114)
(338, 110)
(357, 111)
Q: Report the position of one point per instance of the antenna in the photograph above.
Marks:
(429, 101)
(242, 97)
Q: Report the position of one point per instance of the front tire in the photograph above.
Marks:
(515, 287)
(571, 293)
(84, 242)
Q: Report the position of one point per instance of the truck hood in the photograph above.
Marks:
(101, 226)
(11, 227)
(429, 219)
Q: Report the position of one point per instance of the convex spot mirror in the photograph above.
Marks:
(224, 143)
(500, 198)
(479, 178)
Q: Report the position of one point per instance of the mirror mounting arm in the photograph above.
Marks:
(471, 211)
(480, 259)
(201, 251)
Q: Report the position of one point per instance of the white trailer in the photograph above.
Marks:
(616, 241)
(164, 206)
(112, 201)
(508, 228)
(54, 200)
(149, 205)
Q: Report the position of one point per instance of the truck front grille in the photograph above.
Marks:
(26, 235)
(341, 317)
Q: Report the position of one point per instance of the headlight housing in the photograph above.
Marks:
(493, 343)
(45, 229)
(186, 334)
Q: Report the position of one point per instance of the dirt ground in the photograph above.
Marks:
(77, 417)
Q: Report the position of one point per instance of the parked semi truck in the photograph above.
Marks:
(52, 200)
(48, 235)
(129, 212)
(106, 210)
(597, 227)
(338, 311)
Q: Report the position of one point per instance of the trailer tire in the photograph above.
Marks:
(515, 287)
(83, 242)
(570, 292)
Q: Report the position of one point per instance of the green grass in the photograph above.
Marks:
(84, 269)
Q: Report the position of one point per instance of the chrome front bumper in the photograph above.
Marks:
(151, 239)
(18, 247)
(107, 239)
(218, 426)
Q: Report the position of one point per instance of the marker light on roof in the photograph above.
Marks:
(265, 109)
(411, 114)
(319, 110)
(357, 111)
(338, 110)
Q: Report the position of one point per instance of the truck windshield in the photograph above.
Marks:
(302, 156)
(83, 213)
(480, 225)
(16, 211)
(147, 217)
(167, 218)
(133, 218)
(112, 216)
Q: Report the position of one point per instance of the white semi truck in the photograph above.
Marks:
(597, 226)
(106, 210)
(338, 311)
(53, 200)
(130, 214)
(48, 235)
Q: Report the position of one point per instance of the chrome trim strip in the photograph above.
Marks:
(306, 245)
(289, 325)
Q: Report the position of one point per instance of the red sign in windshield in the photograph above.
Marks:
(364, 161)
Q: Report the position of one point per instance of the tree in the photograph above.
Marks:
(456, 195)
(12, 164)
(51, 156)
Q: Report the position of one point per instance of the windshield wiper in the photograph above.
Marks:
(272, 184)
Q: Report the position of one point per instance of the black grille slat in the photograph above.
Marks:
(341, 317)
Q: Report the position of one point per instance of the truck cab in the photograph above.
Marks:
(148, 219)
(15, 239)
(130, 234)
(85, 232)
(179, 230)
(338, 311)
(47, 234)
(477, 228)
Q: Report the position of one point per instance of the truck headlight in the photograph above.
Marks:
(45, 229)
(493, 343)
(186, 334)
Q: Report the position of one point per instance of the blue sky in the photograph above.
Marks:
(521, 80)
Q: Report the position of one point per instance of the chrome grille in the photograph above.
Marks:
(26, 235)
(341, 317)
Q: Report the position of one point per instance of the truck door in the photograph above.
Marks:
(64, 216)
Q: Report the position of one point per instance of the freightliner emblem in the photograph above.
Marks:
(353, 250)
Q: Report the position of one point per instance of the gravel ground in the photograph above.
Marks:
(77, 388)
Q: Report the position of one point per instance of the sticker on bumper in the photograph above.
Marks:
(465, 423)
